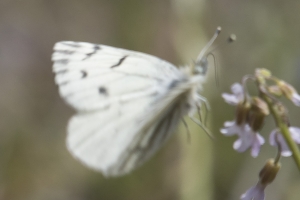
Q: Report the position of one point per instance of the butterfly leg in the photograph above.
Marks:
(201, 125)
(201, 99)
(204, 100)
(187, 129)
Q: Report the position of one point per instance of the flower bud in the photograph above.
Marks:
(290, 92)
(269, 172)
(259, 110)
(261, 75)
(263, 72)
(286, 89)
(275, 90)
(242, 111)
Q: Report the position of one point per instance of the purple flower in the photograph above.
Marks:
(266, 176)
(276, 137)
(255, 193)
(247, 137)
(236, 97)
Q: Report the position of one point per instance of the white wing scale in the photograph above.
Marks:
(128, 102)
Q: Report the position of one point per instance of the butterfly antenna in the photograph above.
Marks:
(208, 45)
(231, 39)
(216, 68)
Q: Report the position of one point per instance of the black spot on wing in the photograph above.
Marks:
(103, 90)
(84, 74)
(120, 62)
(96, 48)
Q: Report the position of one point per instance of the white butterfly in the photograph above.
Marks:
(128, 103)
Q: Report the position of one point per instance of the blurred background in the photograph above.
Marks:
(34, 162)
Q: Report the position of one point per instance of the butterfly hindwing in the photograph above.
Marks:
(117, 142)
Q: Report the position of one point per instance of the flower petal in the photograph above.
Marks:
(276, 136)
(295, 133)
(237, 89)
(254, 193)
(236, 97)
(229, 123)
(258, 141)
(247, 138)
(230, 128)
(296, 99)
(241, 145)
(272, 139)
(230, 99)
(248, 195)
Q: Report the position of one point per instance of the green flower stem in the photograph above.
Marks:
(276, 112)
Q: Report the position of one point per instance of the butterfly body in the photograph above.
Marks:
(128, 103)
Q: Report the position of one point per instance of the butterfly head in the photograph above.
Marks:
(200, 66)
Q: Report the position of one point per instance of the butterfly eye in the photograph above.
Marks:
(201, 66)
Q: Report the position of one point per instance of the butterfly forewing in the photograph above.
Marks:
(91, 75)
(128, 103)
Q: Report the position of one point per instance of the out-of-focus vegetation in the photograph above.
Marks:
(34, 162)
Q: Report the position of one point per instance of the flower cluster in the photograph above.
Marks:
(250, 114)
(249, 119)
(248, 135)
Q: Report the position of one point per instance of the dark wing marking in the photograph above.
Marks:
(103, 90)
(120, 62)
(96, 48)
(84, 73)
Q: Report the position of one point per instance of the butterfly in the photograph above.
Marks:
(128, 103)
